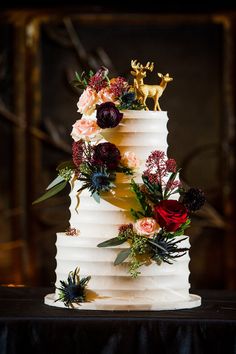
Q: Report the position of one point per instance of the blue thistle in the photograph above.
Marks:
(164, 249)
(100, 181)
(73, 290)
(97, 180)
(129, 101)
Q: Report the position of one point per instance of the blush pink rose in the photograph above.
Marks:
(87, 101)
(146, 226)
(105, 95)
(130, 159)
(85, 128)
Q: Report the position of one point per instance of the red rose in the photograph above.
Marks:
(170, 214)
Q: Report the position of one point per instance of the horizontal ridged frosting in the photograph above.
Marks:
(159, 280)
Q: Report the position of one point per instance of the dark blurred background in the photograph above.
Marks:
(42, 44)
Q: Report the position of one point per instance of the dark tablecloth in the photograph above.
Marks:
(29, 326)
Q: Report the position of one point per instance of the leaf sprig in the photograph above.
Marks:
(65, 171)
(82, 81)
(143, 201)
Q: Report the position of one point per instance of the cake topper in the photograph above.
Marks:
(144, 91)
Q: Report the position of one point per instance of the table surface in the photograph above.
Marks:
(28, 326)
(23, 302)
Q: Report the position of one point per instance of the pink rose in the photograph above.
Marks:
(146, 226)
(87, 101)
(129, 159)
(85, 128)
(105, 95)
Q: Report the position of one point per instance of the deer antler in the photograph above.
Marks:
(149, 66)
(136, 66)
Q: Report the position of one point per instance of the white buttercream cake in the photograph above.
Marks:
(158, 286)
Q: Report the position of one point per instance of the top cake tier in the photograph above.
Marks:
(140, 131)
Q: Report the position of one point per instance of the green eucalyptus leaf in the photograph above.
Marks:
(96, 197)
(115, 241)
(51, 192)
(66, 164)
(77, 75)
(56, 181)
(121, 257)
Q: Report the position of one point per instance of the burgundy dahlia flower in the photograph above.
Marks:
(108, 116)
(194, 199)
(106, 154)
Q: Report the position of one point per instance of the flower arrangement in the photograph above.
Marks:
(154, 235)
(99, 89)
(95, 161)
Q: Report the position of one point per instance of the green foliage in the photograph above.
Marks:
(66, 173)
(136, 214)
(139, 254)
(81, 81)
(134, 105)
(161, 247)
(122, 255)
(51, 192)
(125, 232)
(96, 197)
(56, 181)
(58, 184)
(85, 168)
(141, 197)
(182, 228)
(111, 242)
(126, 170)
(171, 179)
(66, 164)
(154, 191)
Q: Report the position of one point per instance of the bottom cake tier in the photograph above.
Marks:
(158, 287)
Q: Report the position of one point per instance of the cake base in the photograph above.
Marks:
(133, 304)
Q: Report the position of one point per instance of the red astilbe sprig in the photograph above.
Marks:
(78, 152)
(171, 185)
(171, 165)
(160, 170)
(118, 86)
(99, 80)
(156, 168)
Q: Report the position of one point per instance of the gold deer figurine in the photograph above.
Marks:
(144, 91)
(139, 73)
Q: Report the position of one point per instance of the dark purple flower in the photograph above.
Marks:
(193, 199)
(108, 116)
(106, 154)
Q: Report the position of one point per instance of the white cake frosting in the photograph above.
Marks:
(164, 286)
